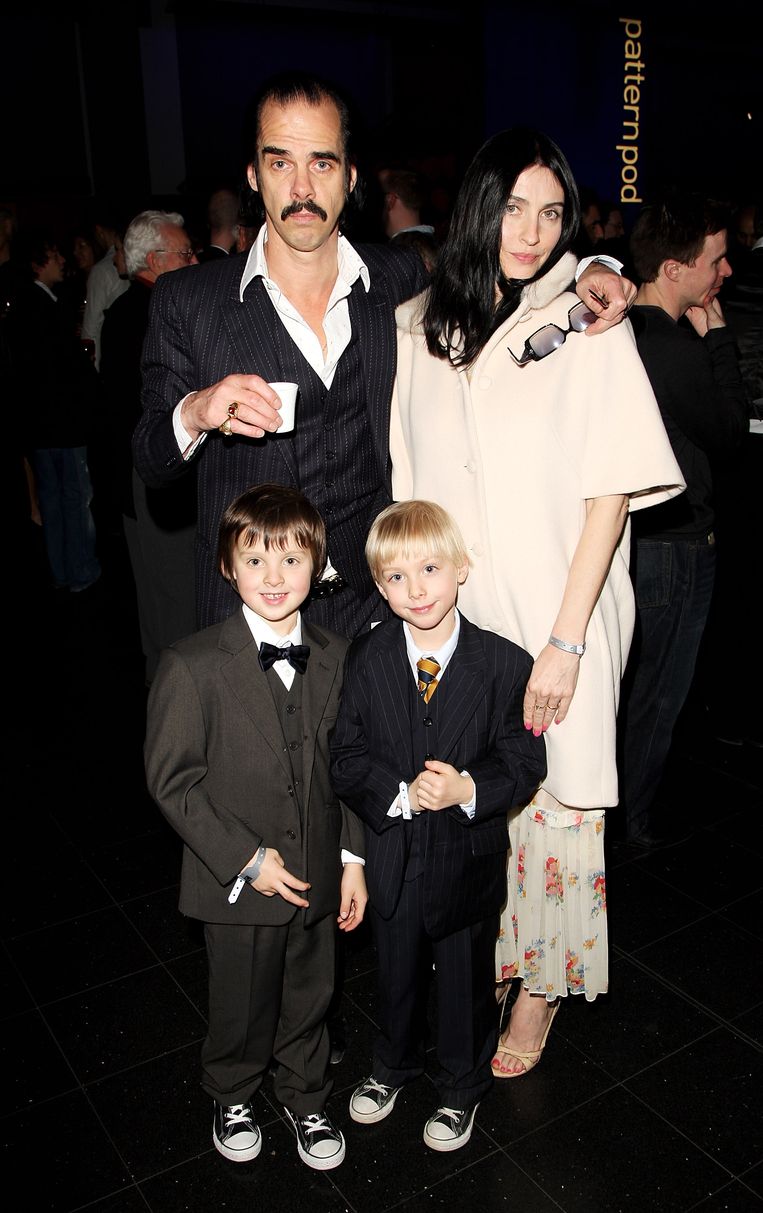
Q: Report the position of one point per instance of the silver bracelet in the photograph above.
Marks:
(577, 649)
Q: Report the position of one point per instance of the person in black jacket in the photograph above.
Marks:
(55, 385)
(679, 250)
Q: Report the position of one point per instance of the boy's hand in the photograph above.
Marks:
(274, 878)
(354, 897)
(441, 786)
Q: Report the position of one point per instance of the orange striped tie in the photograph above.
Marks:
(428, 670)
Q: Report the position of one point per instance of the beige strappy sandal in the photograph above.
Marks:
(529, 1060)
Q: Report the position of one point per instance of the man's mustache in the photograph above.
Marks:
(308, 205)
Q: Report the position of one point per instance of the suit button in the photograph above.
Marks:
(290, 790)
(291, 834)
(290, 709)
(427, 721)
(329, 484)
(293, 745)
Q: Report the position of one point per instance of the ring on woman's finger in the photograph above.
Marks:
(233, 409)
(539, 707)
(552, 707)
(225, 428)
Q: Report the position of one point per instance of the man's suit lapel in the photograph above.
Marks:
(393, 683)
(461, 690)
(373, 322)
(246, 679)
(253, 328)
(323, 670)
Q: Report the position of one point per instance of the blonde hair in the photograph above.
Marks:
(410, 529)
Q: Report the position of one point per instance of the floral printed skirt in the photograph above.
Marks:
(554, 928)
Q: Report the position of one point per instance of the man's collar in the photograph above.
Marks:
(350, 265)
(44, 287)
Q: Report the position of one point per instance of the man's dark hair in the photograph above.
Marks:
(674, 228)
(272, 514)
(35, 246)
(290, 87)
(286, 89)
(461, 312)
(406, 184)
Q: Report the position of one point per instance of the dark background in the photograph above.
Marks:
(136, 102)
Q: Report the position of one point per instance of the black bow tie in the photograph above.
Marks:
(295, 654)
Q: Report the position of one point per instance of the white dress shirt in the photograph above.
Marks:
(336, 321)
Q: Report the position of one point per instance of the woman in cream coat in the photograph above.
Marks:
(539, 446)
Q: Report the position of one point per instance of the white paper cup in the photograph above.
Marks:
(288, 395)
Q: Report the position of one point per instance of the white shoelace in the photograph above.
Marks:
(314, 1122)
(373, 1085)
(238, 1114)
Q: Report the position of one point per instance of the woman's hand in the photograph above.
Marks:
(607, 294)
(550, 689)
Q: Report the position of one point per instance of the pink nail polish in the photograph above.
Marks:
(528, 727)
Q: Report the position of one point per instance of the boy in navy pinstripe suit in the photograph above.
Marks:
(430, 751)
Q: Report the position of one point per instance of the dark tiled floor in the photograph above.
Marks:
(645, 1100)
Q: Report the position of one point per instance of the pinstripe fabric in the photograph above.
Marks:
(479, 728)
(466, 1030)
(448, 912)
(199, 332)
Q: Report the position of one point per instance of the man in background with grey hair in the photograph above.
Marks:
(160, 524)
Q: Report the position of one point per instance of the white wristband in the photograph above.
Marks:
(577, 649)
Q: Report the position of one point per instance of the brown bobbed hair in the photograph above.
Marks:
(275, 516)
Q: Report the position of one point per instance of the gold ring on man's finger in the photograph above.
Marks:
(225, 428)
(233, 409)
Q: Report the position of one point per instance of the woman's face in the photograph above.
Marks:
(532, 222)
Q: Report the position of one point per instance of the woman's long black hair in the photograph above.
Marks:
(461, 312)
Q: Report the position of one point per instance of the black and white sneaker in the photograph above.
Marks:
(449, 1128)
(319, 1143)
(372, 1101)
(235, 1132)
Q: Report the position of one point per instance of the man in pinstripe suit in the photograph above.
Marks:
(432, 770)
(302, 306)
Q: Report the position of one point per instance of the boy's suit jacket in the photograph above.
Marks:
(480, 729)
(217, 766)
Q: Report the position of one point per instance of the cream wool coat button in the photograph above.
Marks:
(471, 466)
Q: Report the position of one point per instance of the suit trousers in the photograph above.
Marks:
(466, 1012)
(269, 990)
(674, 587)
